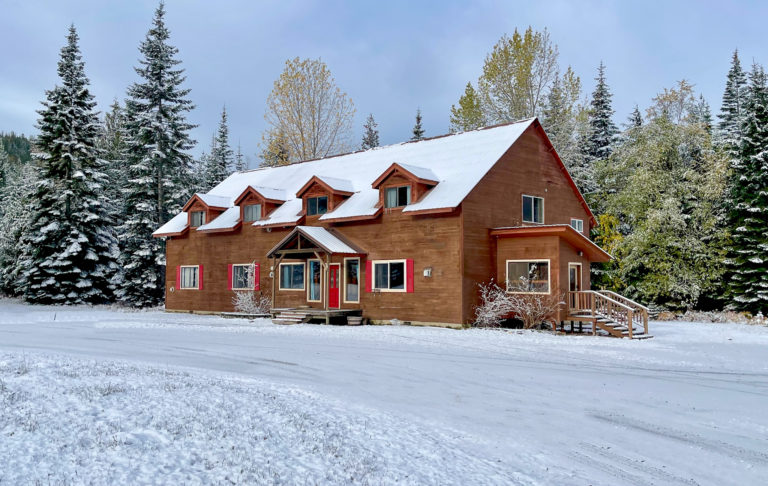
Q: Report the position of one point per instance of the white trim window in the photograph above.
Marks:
(389, 275)
(251, 212)
(243, 276)
(292, 276)
(352, 280)
(397, 197)
(533, 209)
(315, 278)
(190, 277)
(197, 219)
(577, 224)
(528, 276)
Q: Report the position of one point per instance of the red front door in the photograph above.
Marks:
(333, 286)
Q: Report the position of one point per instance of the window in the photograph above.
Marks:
(533, 209)
(389, 275)
(291, 276)
(243, 277)
(396, 197)
(529, 276)
(252, 212)
(351, 280)
(577, 224)
(317, 205)
(198, 218)
(190, 277)
(315, 281)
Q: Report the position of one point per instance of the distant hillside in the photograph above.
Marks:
(17, 146)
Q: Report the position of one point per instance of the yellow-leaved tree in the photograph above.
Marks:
(308, 115)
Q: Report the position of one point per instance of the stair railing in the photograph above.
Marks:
(640, 311)
(600, 305)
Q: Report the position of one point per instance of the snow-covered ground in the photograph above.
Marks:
(100, 396)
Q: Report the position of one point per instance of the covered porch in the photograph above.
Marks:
(315, 274)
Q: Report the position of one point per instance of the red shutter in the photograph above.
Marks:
(256, 276)
(409, 276)
(368, 275)
(200, 278)
(229, 277)
(178, 277)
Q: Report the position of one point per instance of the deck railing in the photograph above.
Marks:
(640, 311)
(598, 304)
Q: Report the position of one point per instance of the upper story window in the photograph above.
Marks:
(198, 218)
(252, 212)
(533, 209)
(396, 197)
(577, 224)
(317, 205)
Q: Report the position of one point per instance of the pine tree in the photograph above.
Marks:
(560, 118)
(469, 114)
(602, 130)
(733, 109)
(15, 215)
(701, 113)
(158, 165)
(68, 249)
(240, 163)
(112, 149)
(635, 119)
(219, 164)
(418, 131)
(370, 133)
(748, 202)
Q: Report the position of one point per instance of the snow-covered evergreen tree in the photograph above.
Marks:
(112, 148)
(159, 182)
(15, 215)
(635, 119)
(220, 163)
(602, 130)
(418, 131)
(701, 113)
(561, 117)
(68, 249)
(240, 162)
(733, 109)
(370, 133)
(747, 261)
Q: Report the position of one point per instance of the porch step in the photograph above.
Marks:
(290, 317)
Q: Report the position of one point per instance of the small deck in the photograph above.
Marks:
(298, 315)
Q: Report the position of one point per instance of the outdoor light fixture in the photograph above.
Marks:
(428, 272)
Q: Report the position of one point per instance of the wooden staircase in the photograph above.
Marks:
(608, 312)
(292, 316)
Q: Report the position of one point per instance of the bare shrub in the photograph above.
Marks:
(249, 302)
(533, 309)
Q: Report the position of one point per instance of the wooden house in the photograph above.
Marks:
(404, 232)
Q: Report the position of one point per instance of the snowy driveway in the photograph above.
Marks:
(688, 407)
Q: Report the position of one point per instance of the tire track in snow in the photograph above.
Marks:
(656, 473)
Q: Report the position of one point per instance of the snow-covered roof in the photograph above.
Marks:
(321, 237)
(457, 162)
(226, 220)
(214, 200)
(343, 185)
(271, 193)
(175, 225)
(420, 172)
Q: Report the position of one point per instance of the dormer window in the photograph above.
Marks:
(251, 212)
(197, 219)
(397, 197)
(317, 205)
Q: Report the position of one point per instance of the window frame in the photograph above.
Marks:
(581, 223)
(387, 262)
(192, 219)
(529, 260)
(344, 281)
(258, 216)
(409, 195)
(317, 198)
(280, 276)
(533, 209)
(308, 279)
(253, 267)
(180, 283)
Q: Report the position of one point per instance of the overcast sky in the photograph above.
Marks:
(389, 56)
